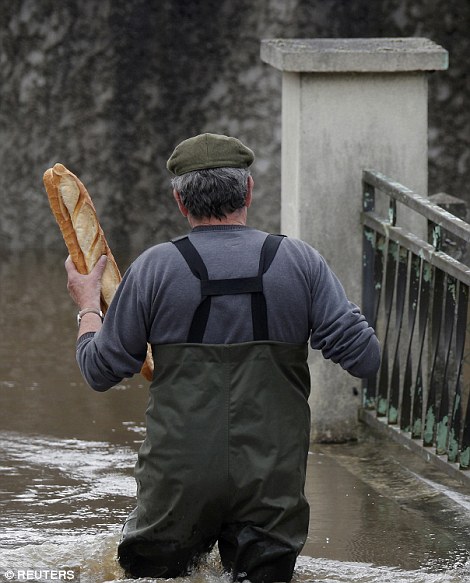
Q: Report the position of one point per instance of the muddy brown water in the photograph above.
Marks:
(67, 456)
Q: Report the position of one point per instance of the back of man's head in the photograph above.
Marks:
(211, 174)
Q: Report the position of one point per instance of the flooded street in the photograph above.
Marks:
(378, 514)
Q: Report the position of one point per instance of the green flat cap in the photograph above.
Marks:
(209, 151)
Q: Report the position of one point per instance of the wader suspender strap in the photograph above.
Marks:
(222, 287)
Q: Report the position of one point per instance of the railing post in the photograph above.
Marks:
(347, 104)
(369, 291)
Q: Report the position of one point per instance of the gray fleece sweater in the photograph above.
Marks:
(158, 295)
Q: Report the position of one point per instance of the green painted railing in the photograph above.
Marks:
(417, 297)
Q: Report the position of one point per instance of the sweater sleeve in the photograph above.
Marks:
(339, 329)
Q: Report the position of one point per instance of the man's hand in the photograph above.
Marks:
(85, 290)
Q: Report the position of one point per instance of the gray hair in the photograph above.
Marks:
(212, 192)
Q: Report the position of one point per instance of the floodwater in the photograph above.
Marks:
(378, 514)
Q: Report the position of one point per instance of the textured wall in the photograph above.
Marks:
(108, 87)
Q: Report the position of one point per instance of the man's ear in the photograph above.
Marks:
(250, 183)
(183, 210)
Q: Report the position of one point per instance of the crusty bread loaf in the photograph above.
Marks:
(76, 216)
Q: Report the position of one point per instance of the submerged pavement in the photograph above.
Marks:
(379, 513)
(374, 502)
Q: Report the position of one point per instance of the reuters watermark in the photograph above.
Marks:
(71, 574)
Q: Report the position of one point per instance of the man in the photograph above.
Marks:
(229, 312)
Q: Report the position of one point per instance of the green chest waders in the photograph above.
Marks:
(225, 453)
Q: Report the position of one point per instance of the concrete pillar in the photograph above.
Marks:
(347, 104)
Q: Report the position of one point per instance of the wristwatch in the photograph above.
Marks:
(81, 313)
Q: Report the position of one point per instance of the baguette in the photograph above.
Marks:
(76, 216)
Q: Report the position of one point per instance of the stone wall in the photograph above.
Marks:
(108, 87)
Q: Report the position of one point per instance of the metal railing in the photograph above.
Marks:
(417, 297)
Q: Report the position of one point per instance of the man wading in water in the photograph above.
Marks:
(229, 312)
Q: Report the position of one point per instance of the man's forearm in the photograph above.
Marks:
(90, 322)
(85, 290)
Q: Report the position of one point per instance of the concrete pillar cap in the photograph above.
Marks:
(362, 55)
